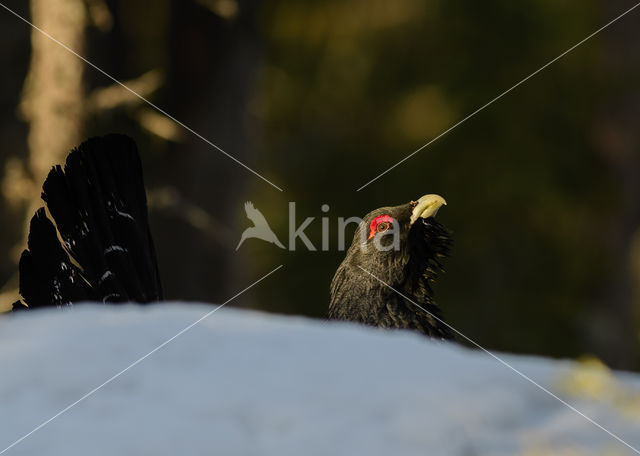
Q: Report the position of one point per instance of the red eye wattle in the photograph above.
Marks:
(379, 224)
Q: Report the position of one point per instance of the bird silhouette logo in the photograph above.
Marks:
(260, 228)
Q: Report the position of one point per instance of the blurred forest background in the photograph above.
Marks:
(320, 97)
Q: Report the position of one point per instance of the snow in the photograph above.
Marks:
(247, 383)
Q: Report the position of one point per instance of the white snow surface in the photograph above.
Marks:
(248, 383)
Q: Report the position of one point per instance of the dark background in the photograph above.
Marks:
(320, 97)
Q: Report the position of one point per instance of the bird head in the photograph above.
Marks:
(402, 246)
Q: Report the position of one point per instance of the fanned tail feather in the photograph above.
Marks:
(99, 207)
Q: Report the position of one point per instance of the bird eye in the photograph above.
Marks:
(379, 224)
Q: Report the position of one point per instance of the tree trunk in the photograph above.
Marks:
(53, 92)
(614, 332)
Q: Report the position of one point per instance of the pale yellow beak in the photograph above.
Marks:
(427, 206)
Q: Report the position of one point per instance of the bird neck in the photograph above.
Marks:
(357, 296)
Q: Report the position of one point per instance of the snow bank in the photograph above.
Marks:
(246, 383)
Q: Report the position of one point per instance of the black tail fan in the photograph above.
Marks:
(102, 249)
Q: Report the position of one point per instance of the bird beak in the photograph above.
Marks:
(427, 206)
